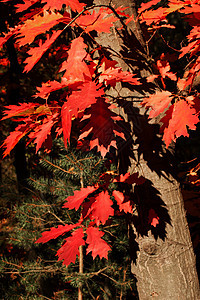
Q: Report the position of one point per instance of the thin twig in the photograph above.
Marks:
(168, 44)
(44, 297)
(117, 282)
(89, 290)
(69, 172)
(38, 205)
(61, 221)
(35, 271)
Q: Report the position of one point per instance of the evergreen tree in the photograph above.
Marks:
(31, 271)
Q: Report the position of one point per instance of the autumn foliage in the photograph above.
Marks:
(83, 78)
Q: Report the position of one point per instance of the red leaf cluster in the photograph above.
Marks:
(97, 207)
(78, 92)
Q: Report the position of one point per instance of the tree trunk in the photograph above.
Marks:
(14, 99)
(163, 260)
(165, 267)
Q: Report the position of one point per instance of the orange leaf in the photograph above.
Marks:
(86, 95)
(39, 24)
(4, 39)
(145, 6)
(24, 6)
(153, 16)
(158, 102)
(75, 5)
(76, 68)
(113, 75)
(164, 68)
(100, 21)
(182, 116)
(50, 86)
(37, 52)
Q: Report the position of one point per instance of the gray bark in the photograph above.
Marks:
(166, 268)
(163, 258)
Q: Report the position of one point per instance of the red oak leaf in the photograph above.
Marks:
(79, 196)
(39, 24)
(158, 102)
(75, 5)
(192, 12)
(151, 78)
(101, 208)
(49, 87)
(53, 233)
(47, 144)
(100, 21)
(125, 206)
(189, 48)
(78, 101)
(41, 133)
(86, 95)
(194, 17)
(145, 6)
(153, 16)
(188, 81)
(153, 219)
(66, 117)
(14, 137)
(24, 6)
(102, 126)
(4, 62)
(75, 66)
(113, 75)
(37, 52)
(87, 207)
(96, 244)
(31, 14)
(23, 109)
(4, 39)
(70, 249)
(175, 5)
(193, 38)
(190, 75)
(182, 116)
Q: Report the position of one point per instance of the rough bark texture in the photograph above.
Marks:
(163, 260)
(166, 268)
